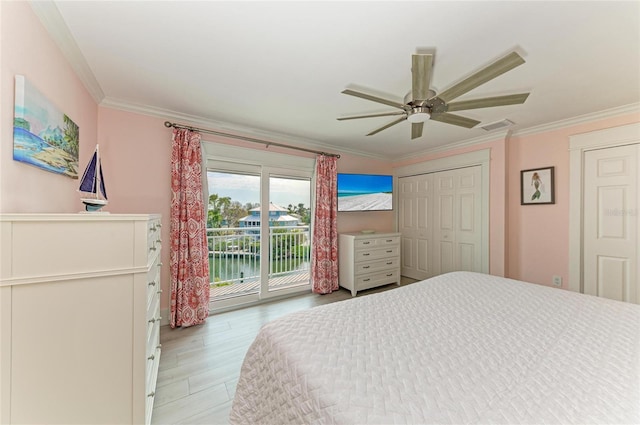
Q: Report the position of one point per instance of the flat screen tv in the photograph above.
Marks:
(365, 192)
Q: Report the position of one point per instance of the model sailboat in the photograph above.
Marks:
(93, 183)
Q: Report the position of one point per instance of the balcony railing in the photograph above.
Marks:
(234, 259)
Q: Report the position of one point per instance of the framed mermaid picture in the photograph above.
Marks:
(537, 186)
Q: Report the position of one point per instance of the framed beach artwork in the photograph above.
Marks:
(42, 135)
(537, 186)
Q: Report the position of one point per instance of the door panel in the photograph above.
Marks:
(457, 224)
(610, 208)
(415, 225)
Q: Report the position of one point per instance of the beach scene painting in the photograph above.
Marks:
(42, 135)
(365, 192)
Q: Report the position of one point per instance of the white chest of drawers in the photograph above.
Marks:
(368, 260)
(79, 317)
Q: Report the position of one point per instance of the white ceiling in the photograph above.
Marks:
(276, 69)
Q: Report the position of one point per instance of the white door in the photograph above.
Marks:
(457, 235)
(610, 225)
(415, 225)
(439, 217)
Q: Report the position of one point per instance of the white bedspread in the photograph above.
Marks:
(459, 348)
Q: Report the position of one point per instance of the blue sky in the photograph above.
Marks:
(364, 183)
(246, 188)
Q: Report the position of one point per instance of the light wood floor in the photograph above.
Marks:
(200, 365)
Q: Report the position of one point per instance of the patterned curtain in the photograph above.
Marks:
(189, 252)
(324, 258)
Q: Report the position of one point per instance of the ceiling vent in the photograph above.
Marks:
(498, 124)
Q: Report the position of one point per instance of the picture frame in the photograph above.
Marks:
(43, 136)
(537, 186)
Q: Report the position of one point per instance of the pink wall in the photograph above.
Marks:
(137, 168)
(26, 49)
(538, 235)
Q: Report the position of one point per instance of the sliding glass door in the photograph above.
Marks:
(258, 231)
(289, 236)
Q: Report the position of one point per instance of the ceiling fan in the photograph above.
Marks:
(422, 104)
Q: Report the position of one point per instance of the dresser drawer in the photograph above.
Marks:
(153, 343)
(376, 279)
(150, 392)
(153, 313)
(376, 266)
(153, 282)
(374, 254)
(377, 242)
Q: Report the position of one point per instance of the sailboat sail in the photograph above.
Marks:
(88, 182)
(93, 182)
(102, 189)
(89, 178)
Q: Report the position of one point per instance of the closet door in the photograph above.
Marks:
(611, 225)
(457, 217)
(415, 225)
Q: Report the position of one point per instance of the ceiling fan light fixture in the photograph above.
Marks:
(419, 114)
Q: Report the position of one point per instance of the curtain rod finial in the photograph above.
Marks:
(168, 124)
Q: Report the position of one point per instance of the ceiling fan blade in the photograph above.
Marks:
(371, 115)
(373, 98)
(487, 102)
(488, 73)
(455, 120)
(421, 74)
(399, 120)
(416, 130)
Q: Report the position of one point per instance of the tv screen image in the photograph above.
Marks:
(365, 192)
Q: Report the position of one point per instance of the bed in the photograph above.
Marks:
(460, 348)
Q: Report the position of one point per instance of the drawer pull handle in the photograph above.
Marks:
(153, 248)
(159, 225)
(366, 254)
(390, 274)
(151, 357)
(159, 291)
(151, 394)
(159, 346)
(366, 280)
(152, 320)
(153, 228)
(389, 251)
(366, 243)
(160, 264)
(365, 267)
(389, 263)
(152, 283)
(389, 240)
(158, 240)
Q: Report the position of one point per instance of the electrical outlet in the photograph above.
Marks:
(557, 280)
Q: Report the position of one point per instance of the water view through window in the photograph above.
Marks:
(236, 239)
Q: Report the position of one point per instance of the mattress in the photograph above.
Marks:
(461, 348)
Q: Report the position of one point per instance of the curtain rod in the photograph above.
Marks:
(246, 139)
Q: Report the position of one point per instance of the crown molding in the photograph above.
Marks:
(580, 119)
(53, 22)
(197, 121)
(556, 125)
(498, 135)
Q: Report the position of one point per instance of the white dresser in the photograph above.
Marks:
(368, 260)
(79, 317)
